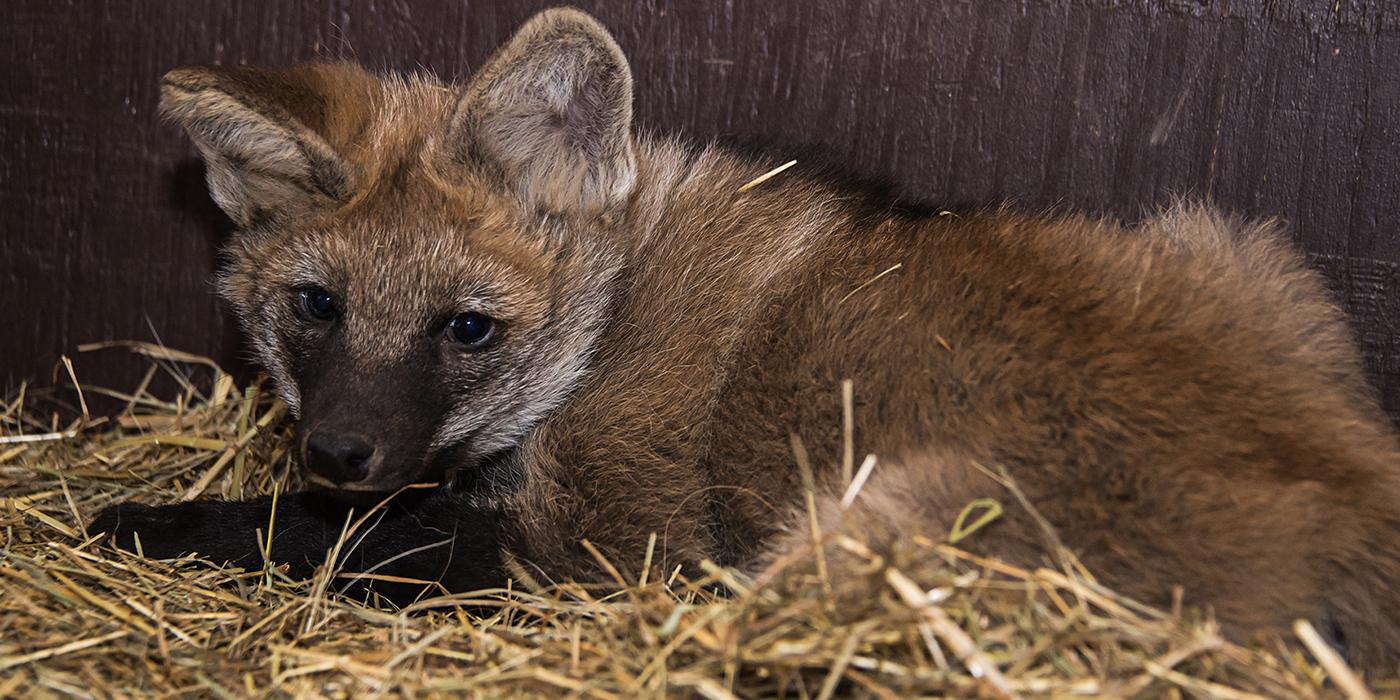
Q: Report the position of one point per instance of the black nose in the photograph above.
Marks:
(341, 458)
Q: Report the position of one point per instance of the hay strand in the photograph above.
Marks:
(925, 619)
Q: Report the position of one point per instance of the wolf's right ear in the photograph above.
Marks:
(267, 135)
(551, 115)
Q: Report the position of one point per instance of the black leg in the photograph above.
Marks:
(431, 536)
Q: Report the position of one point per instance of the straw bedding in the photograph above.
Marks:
(80, 619)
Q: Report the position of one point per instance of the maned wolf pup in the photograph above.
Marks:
(593, 333)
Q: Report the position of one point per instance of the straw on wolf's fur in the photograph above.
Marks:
(78, 618)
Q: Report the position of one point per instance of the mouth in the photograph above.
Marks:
(385, 482)
(489, 474)
(358, 486)
(365, 495)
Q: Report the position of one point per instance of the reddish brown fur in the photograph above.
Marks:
(1178, 398)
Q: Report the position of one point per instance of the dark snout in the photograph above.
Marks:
(368, 429)
(362, 460)
(339, 457)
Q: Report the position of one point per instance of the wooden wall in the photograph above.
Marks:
(1286, 108)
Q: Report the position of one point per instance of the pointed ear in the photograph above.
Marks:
(551, 114)
(267, 135)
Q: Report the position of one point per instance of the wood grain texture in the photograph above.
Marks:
(1281, 108)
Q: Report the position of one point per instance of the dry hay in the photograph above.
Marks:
(78, 618)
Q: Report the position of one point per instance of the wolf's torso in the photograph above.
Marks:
(1178, 399)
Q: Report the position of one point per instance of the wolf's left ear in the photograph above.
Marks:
(551, 114)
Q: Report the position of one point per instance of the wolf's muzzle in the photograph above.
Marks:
(338, 457)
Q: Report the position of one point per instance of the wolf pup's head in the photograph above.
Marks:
(422, 269)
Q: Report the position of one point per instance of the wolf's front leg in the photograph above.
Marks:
(433, 536)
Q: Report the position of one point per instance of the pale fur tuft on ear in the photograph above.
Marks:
(551, 114)
(263, 134)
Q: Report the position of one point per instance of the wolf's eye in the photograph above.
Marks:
(319, 303)
(470, 329)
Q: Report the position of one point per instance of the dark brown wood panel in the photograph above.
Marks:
(1282, 108)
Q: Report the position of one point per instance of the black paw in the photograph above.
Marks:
(163, 531)
(433, 537)
(218, 531)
